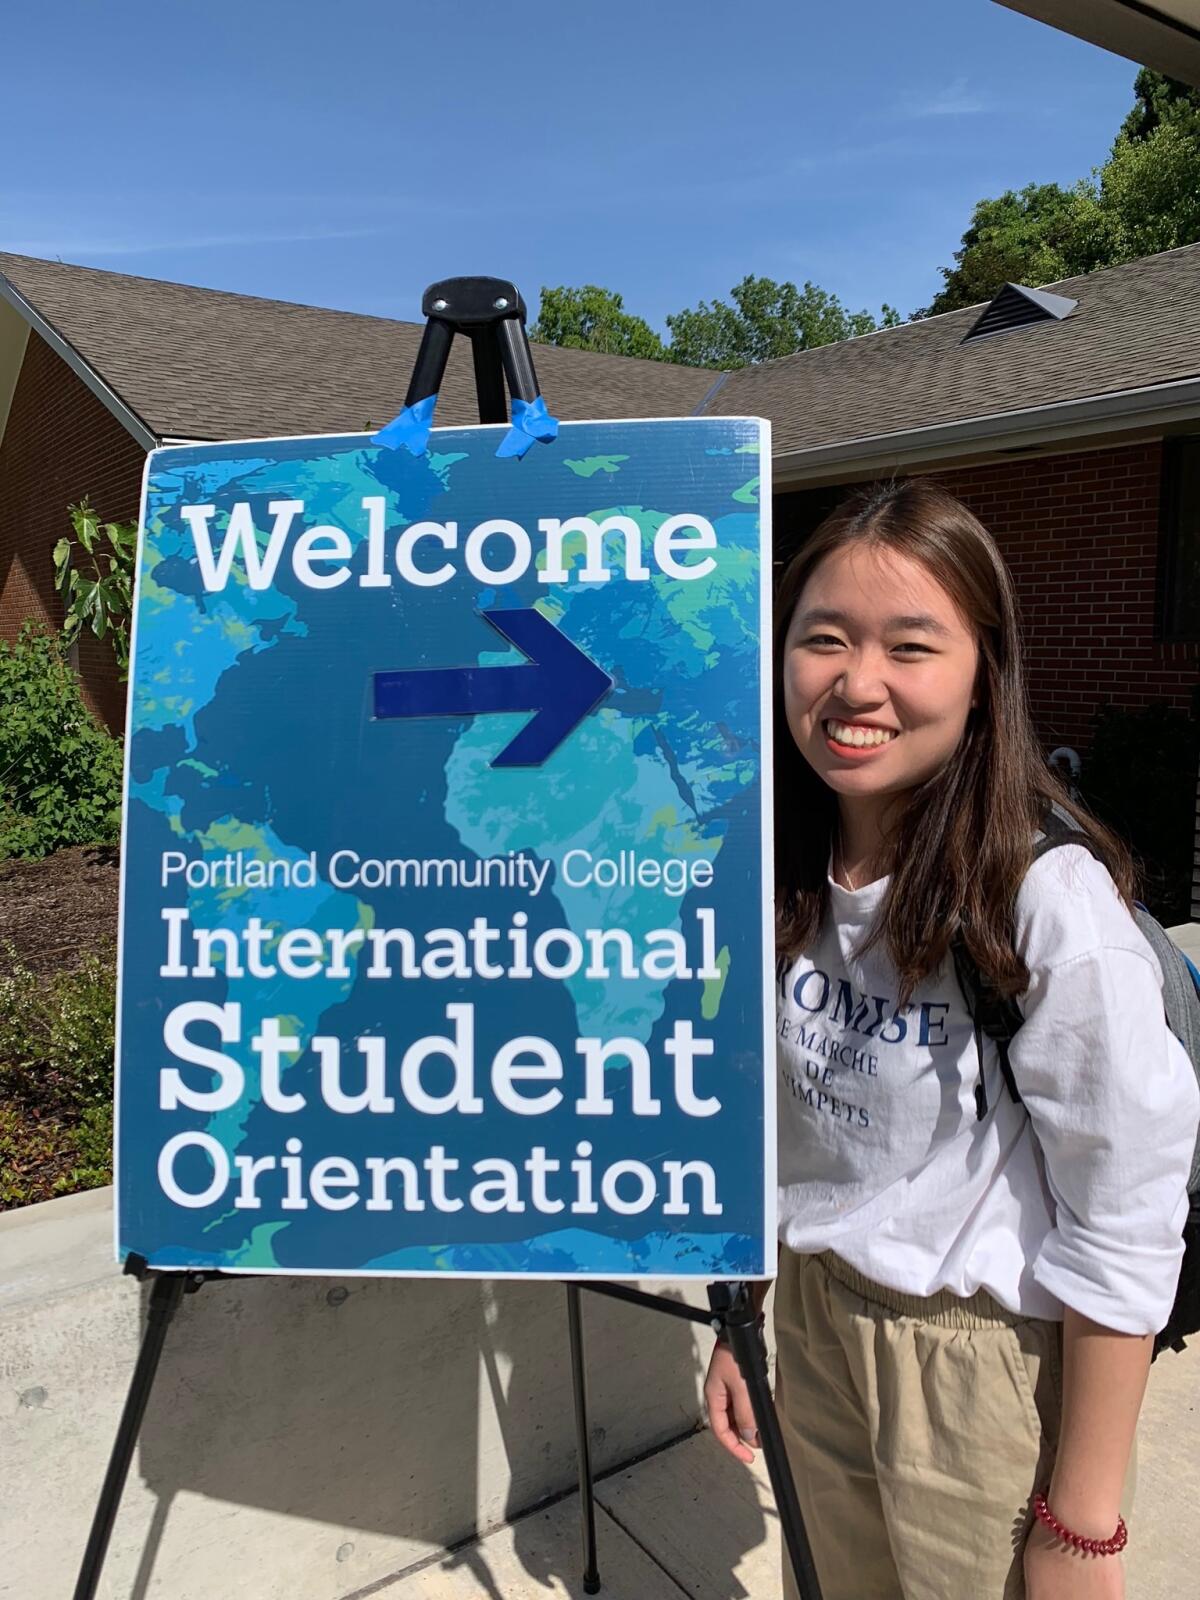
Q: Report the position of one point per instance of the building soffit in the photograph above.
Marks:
(14, 336)
(108, 397)
(1163, 34)
(1094, 423)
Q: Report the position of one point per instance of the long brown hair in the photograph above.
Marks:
(964, 840)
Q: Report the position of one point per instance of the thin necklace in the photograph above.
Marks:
(841, 872)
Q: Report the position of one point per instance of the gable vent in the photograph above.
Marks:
(1018, 307)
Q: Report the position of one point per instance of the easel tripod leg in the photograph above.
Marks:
(587, 1492)
(164, 1301)
(747, 1346)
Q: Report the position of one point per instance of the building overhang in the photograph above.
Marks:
(108, 397)
(1163, 34)
(14, 336)
(1073, 424)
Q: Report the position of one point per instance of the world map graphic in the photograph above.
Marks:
(252, 736)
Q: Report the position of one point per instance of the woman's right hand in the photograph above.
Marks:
(730, 1414)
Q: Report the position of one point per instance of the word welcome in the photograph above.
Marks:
(497, 551)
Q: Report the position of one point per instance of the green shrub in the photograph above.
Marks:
(1139, 776)
(35, 1152)
(60, 773)
(56, 1036)
(41, 1157)
(93, 1137)
(56, 1078)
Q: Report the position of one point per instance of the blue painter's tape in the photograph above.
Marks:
(530, 421)
(411, 428)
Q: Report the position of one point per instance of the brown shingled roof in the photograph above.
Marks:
(1135, 325)
(205, 364)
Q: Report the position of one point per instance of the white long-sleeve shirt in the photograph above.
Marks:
(1077, 1197)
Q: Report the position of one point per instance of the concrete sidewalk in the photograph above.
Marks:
(688, 1521)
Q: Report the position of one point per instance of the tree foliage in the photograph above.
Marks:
(94, 574)
(591, 318)
(1145, 198)
(1157, 99)
(763, 320)
(1150, 190)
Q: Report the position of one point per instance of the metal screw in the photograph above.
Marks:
(441, 305)
(501, 304)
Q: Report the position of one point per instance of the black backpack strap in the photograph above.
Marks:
(994, 1015)
(1058, 828)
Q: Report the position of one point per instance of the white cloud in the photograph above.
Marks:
(69, 245)
(950, 100)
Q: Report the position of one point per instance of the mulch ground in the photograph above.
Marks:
(54, 912)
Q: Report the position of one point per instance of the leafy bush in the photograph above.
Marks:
(1139, 776)
(56, 1035)
(56, 1074)
(60, 773)
(93, 1139)
(43, 1156)
(35, 1154)
(94, 574)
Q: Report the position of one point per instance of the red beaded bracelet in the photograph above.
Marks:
(1091, 1547)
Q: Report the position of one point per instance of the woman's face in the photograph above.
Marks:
(879, 673)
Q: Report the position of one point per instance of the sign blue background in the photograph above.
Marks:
(252, 737)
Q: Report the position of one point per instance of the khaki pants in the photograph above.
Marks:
(918, 1431)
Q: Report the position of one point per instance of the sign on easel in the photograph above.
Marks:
(445, 933)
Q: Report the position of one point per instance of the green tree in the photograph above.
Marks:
(765, 320)
(1145, 198)
(591, 318)
(1150, 186)
(1156, 99)
(94, 574)
(1033, 235)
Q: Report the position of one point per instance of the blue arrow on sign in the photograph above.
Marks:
(558, 682)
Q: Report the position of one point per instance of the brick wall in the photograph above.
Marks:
(60, 445)
(1081, 533)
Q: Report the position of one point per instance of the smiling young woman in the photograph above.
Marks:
(968, 1288)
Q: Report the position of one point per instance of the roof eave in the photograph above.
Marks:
(108, 397)
(1158, 404)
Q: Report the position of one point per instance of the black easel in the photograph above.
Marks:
(731, 1312)
(491, 313)
(167, 1291)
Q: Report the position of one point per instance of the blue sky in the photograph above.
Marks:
(346, 155)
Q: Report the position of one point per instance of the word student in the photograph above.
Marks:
(525, 1060)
